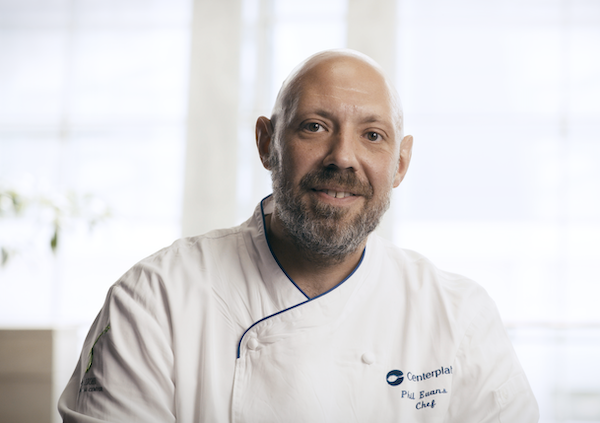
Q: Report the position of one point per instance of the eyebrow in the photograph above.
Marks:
(373, 118)
(367, 119)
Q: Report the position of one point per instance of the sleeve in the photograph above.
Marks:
(125, 371)
(489, 384)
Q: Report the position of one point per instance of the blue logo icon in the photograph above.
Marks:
(395, 377)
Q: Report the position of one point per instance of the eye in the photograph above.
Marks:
(373, 136)
(313, 127)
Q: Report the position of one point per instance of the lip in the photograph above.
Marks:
(335, 194)
(335, 188)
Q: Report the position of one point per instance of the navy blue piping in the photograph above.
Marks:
(291, 280)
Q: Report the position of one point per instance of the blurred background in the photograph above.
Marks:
(127, 124)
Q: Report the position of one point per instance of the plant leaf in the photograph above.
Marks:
(54, 240)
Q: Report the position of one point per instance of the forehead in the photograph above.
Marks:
(344, 85)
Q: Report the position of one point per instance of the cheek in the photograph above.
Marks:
(382, 176)
(298, 162)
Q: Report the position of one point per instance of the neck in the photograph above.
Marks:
(312, 273)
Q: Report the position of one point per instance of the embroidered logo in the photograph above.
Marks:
(395, 377)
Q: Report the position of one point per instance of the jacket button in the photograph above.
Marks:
(368, 358)
(252, 343)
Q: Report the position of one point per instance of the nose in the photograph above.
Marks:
(341, 151)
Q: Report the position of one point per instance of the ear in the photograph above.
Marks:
(264, 135)
(405, 155)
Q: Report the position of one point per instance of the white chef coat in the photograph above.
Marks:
(211, 329)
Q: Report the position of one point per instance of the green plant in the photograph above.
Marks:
(57, 211)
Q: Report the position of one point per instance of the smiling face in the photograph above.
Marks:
(337, 156)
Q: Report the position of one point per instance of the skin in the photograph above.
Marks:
(344, 117)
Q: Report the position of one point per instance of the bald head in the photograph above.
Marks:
(330, 67)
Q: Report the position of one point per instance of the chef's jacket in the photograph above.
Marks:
(211, 329)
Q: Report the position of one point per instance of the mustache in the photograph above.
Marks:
(343, 178)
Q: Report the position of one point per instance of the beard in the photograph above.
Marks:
(324, 232)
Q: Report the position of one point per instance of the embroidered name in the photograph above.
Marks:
(425, 394)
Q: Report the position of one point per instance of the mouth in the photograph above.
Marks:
(335, 187)
(335, 193)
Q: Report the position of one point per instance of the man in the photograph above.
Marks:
(299, 314)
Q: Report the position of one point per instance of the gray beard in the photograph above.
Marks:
(318, 229)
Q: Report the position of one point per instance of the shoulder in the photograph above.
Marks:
(417, 274)
(199, 249)
(186, 264)
(447, 299)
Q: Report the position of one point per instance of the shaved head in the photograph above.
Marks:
(315, 66)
